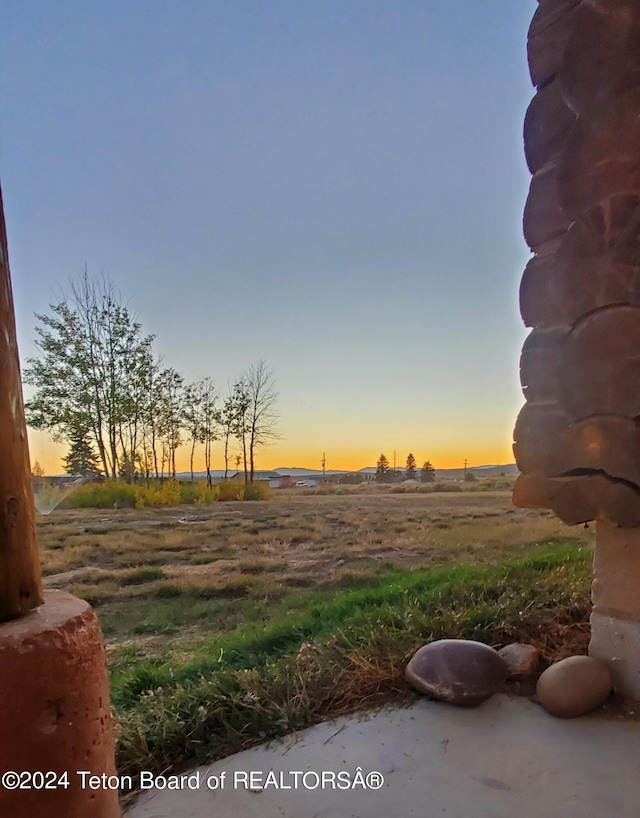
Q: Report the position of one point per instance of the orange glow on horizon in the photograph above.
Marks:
(49, 455)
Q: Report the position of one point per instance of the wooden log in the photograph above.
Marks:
(601, 369)
(543, 219)
(580, 499)
(537, 307)
(538, 437)
(20, 583)
(598, 261)
(594, 497)
(541, 364)
(617, 6)
(548, 36)
(595, 264)
(531, 492)
(605, 443)
(602, 56)
(549, 445)
(546, 125)
(600, 158)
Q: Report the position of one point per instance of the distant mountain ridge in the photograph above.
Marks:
(508, 470)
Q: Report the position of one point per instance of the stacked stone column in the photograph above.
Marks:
(577, 439)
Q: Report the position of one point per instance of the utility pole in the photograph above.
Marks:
(465, 468)
(394, 465)
(324, 462)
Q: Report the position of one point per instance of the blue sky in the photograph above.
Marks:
(335, 187)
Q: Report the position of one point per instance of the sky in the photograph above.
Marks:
(335, 187)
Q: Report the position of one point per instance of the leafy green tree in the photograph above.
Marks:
(88, 372)
(427, 472)
(169, 409)
(382, 469)
(230, 423)
(201, 419)
(240, 426)
(410, 467)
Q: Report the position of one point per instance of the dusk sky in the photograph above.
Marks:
(335, 186)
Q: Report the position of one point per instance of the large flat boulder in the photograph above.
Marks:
(458, 671)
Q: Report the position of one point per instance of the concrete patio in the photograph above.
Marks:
(503, 759)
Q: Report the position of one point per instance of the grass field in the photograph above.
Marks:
(231, 623)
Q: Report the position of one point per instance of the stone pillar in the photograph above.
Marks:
(615, 620)
(577, 440)
(55, 716)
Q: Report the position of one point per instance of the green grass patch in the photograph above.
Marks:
(138, 576)
(318, 654)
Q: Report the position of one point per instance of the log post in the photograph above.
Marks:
(20, 583)
(54, 687)
(577, 439)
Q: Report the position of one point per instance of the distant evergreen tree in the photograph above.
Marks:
(81, 458)
(427, 472)
(382, 469)
(410, 468)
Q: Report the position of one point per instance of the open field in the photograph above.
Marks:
(230, 623)
(178, 574)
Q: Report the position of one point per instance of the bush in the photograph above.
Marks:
(256, 491)
(110, 494)
(452, 487)
(170, 492)
(230, 490)
(165, 493)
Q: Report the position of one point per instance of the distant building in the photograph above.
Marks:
(274, 478)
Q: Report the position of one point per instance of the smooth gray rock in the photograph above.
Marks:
(574, 686)
(458, 671)
(522, 660)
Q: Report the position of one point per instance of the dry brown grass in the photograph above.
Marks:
(411, 530)
(125, 560)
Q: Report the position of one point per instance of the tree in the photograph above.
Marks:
(241, 401)
(382, 469)
(88, 373)
(262, 418)
(410, 467)
(211, 421)
(201, 419)
(228, 419)
(170, 412)
(427, 472)
(81, 458)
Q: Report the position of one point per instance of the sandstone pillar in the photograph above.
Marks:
(615, 620)
(55, 718)
(577, 439)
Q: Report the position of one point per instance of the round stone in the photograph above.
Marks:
(521, 659)
(458, 671)
(574, 686)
